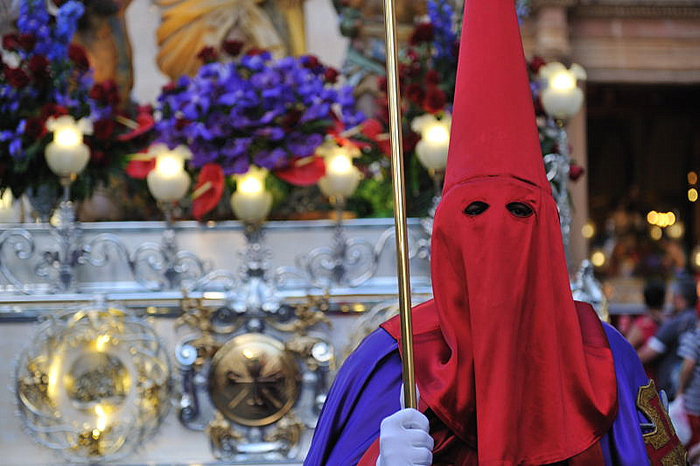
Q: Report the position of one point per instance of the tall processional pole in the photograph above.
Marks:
(402, 262)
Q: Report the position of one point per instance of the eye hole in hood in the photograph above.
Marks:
(476, 208)
(519, 209)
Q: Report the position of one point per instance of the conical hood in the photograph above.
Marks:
(492, 94)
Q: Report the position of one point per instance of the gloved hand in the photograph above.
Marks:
(404, 440)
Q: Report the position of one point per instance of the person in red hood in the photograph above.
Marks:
(510, 370)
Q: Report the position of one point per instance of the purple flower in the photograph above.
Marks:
(316, 112)
(272, 133)
(303, 145)
(271, 160)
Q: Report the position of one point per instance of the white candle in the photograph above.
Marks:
(251, 202)
(7, 209)
(435, 140)
(562, 98)
(342, 177)
(169, 181)
(67, 154)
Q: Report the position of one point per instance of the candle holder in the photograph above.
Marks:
(432, 152)
(422, 247)
(561, 99)
(346, 262)
(163, 266)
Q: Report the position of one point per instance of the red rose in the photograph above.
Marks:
(53, 110)
(311, 62)
(105, 93)
(432, 77)
(16, 77)
(98, 157)
(536, 63)
(170, 87)
(410, 140)
(34, 128)
(104, 128)
(424, 32)
(539, 109)
(576, 172)
(331, 75)
(255, 51)
(26, 41)
(77, 55)
(39, 66)
(416, 93)
(290, 119)
(9, 42)
(208, 55)
(232, 47)
(381, 83)
(435, 99)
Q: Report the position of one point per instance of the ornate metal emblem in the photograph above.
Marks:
(253, 380)
(663, 446)
(93, 384)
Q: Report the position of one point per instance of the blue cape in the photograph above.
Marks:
(367, 389)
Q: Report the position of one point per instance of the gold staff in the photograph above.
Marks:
(402, 265)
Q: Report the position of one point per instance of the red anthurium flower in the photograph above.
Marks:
(303, 171)
(208, 191)
(375, 131)
(139, 168)
(145, 123)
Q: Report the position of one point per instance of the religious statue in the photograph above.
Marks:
(187, 26)
(102, 32)
(362, 22)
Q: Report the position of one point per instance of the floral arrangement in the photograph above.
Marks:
(253, 111)
(44, 76)
(427, 71)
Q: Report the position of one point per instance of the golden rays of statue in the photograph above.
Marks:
(187, 26)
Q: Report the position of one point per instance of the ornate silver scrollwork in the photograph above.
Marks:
(557, 166)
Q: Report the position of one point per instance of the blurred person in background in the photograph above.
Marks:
(689, 381)
(646, 326)
(663, 347)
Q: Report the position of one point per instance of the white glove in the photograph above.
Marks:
(404, 440)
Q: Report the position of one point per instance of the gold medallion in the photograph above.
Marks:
(253, 380)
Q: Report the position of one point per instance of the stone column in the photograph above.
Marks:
(552, 28)
(579, 189)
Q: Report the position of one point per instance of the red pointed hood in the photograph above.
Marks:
(505, 362)
(495, 134)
